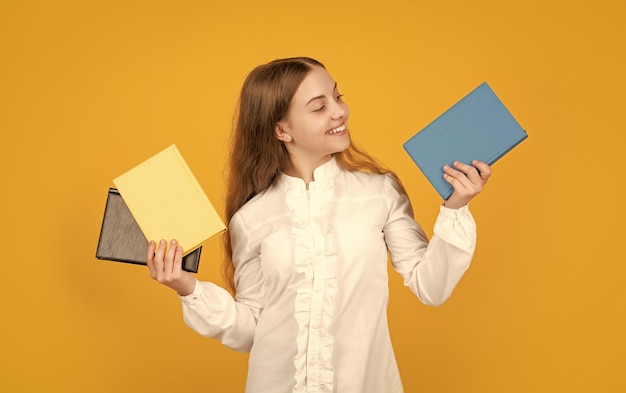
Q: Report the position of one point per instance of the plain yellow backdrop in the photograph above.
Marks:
(88, 89)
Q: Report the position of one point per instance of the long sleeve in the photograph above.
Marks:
(430, 269)
(212, 312)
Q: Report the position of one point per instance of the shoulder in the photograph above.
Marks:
(366, 183)
(262, 207)
(384, 188)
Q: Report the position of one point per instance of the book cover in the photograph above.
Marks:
(167, 201)
(121, 240)
(478, 127)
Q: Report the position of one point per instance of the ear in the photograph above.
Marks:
(281, 134)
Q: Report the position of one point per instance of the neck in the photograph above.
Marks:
(304, 169)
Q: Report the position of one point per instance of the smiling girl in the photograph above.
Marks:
(311, 221)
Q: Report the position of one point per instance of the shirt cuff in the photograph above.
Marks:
(448, 212)
(193, 297)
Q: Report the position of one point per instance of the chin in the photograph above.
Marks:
(342, 147)
(346, 143)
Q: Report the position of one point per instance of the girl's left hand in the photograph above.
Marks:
(467, 180)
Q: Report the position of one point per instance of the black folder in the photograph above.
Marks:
(121, 239)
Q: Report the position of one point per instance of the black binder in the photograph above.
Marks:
(121, 239)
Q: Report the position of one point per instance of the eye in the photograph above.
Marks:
(320, 109)
(339, 97)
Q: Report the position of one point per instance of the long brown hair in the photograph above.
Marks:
(257, 156)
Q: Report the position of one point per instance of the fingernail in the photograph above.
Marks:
(162, 242)
(446, 167)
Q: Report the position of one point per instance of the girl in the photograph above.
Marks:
(311, 219)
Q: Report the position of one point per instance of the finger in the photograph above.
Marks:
(170, 256)
(456, 178)
(158, 258)
(484, 168)
(178, 259)
(458, 183)
(150, 258)
(470, 171)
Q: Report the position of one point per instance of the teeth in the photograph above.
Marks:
(337, 130)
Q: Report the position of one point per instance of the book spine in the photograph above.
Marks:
(502, 152)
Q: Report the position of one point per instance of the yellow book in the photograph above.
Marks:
(167, 201)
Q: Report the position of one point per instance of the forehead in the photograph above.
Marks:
(317, 82)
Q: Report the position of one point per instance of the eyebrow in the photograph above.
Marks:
(320, 96)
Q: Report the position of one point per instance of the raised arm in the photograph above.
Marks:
(433, 269)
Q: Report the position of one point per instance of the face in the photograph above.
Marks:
(316, 124)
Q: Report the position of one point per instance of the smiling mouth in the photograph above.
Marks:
(336, 130)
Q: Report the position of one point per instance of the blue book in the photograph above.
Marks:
(478, 127)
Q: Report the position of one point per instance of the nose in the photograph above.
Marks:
(340, 110)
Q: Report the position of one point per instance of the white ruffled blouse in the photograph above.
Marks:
(312, 284)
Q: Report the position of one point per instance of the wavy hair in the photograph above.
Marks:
(257, 157)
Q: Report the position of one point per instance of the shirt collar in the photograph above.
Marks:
(323, 175)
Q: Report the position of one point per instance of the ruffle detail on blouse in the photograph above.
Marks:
(315, 254)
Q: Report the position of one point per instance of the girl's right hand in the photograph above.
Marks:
(166, 266)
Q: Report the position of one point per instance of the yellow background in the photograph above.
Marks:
(88, 89)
